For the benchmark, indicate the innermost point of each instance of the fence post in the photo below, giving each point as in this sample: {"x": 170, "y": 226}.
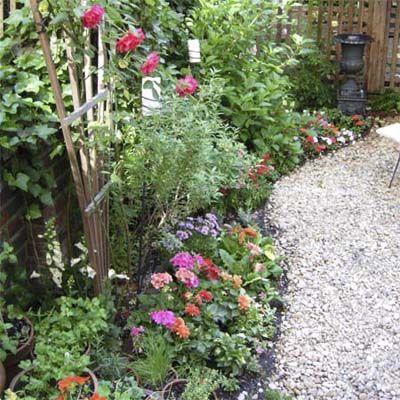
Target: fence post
{"x": 376, "y": 62}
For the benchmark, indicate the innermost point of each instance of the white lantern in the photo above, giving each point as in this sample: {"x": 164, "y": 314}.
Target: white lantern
{"x": 194, "y": 51}
{"x": 151, "y": 95}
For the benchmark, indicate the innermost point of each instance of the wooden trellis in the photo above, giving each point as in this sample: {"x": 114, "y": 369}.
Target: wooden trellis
{"x": 86, "y": 166}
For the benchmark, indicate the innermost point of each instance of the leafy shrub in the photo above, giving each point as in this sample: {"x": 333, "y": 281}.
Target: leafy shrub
{"x": 311, "y": 77}
{"x": 387, "y": 100}
{"x": 255, "y": 97}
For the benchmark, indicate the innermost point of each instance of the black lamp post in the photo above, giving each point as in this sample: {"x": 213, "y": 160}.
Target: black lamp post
{"x": 352, "y": 97}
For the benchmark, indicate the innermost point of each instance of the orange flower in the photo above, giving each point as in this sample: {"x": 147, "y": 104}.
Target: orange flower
{"x": 60, "y": 397}
{"x": 192, "y": 310}
{"x": 226, "y": 276}
{"x": 360, "y": 123}
{"x": 96, "y": 396}
{"x": 68, "y": 382}
{"x": 180, "y": 328}
{"x": 244, "y": 302}
{"x": 237, "y": 281}
{"x": 187, "y": 296}
{"x": 246, "y": 232}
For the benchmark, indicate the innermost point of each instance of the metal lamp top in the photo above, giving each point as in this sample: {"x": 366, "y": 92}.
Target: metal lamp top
{"x": 353, "y": 38}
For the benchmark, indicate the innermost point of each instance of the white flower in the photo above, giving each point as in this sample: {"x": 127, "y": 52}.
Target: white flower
{"x": 56, "y": 275}
{"x": 113, "y": 275}
{"x": 328, "y": 141}
{"x": 315, "y": 139}
{"x": 34, "y": 275}
{"x": 242, "y": 396}
{"x": 89, "y": 271}
{"x": 341, "y": 139}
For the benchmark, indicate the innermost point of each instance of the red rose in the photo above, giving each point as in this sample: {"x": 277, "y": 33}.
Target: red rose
{"x": 263, "y": 169}
{"x": 93, "y": 16}
{"x": 130, "y": 41}
{"x": 186, "y": 86}
{"x": 150, "y": 64}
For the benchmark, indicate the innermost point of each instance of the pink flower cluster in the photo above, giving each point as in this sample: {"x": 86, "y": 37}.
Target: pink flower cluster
{"x": 187, "y": 277}
{"x": 159, "y": 280}
{"x": 186, "y": 260}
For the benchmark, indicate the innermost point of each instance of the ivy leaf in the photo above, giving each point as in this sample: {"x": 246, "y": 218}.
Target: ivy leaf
{"x": 46, "y": 198}
{"x": 21, "y": 181}
{"x": 44, "y": 131}
{"x": 33, "y": 212}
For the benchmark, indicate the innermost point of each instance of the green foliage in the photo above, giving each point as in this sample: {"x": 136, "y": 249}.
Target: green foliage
{"x": 155, "y": 364}
{"x": 255, "y": 97}
{"x": 122, "y": 389}
{"x": 27, "y": 112}
{"x": 387, "y": 100}
{"x": 202, "y": 382}
{"x": 311, "y": 77}
{"x": 62, "y": 338}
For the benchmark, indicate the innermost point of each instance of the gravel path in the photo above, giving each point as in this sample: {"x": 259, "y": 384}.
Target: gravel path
{"x": 340, "y": 232}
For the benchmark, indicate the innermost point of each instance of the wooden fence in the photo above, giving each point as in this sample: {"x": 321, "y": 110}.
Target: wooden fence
{"x": 322, "y": 19}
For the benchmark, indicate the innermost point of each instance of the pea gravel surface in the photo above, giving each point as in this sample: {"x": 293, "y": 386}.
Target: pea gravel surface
{"x": 339, "y": 229}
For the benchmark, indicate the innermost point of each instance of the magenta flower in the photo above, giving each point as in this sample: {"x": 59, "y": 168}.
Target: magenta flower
{"x": 93, "y": 16}
{"x": 163, "y": 317}
{"x": 199, "y": 260}
{"x": 137, "y": 330}
{"x": 183, "y": 260}
{"x": 150, "y": 64}
{"x": 186, "y": 86}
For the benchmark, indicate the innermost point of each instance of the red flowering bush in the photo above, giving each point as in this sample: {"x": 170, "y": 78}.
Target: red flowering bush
{"x": 330, "y": 130}
{"x": 93, "y": 16}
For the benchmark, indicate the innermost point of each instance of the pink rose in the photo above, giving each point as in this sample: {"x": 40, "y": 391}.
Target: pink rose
{"x": 186, "y": 86}
{"x": 130, "y": 41}
{"x": 150, "y": 64}
{"x": 93, "y": 16}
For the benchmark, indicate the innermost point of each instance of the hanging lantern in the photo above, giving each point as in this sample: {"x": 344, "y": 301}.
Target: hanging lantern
{"x": 151, "y": 95}
{"x": 194, "y": 51}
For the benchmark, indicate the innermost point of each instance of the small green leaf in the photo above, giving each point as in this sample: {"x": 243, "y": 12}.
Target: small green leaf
{"x": 33, "y": 212}
{"x": 21, "y": 181}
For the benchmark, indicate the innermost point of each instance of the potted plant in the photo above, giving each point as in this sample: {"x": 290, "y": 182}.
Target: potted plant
{"x": 16, "y": 332}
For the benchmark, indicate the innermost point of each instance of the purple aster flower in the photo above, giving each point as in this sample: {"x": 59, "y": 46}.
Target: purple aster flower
{"x": 189, "y": 225}
{"x": 204, "y": 230}
{"x": 163, "y": 317}
{"x": 192, "y": 283}
{"x": 182, "y": 235}
{"x": 137, "y": 330}
{"x": 214, "y": 233}
{"x": 183, "y": 260}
